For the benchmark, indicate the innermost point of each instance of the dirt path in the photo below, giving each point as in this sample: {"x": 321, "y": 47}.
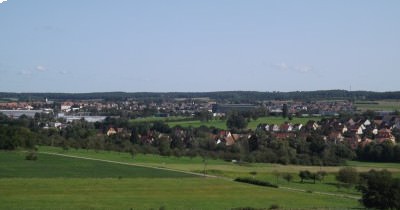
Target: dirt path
{"x": 193, "y": 173}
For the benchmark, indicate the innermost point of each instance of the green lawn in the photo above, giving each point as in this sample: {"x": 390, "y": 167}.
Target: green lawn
{"x": 221, "y": 124}
{"x": 265, "y": 171}
{"x": 14, "y": 165}
{"x": 155, "y": 119}
{"x": 384, "y": 105}
{"x": 144, "y": 193}
{"x": 55, "y": 182}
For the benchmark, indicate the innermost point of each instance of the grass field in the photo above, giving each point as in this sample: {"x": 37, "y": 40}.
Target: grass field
{"x": 221, "y": 124}
{"x": 264, "y": 171}
{"x": 144, "y": 193}
{"x": 54, "y": 182}
{"x": 158, "y": 119}
{"x": 384, "y": 105}
{"x": 14, "y": 165}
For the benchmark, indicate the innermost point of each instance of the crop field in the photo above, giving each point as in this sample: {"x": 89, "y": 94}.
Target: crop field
{"x": 55, "y": 181}
{"x": 221, "y": 124}
{"x": 384, "y": 105}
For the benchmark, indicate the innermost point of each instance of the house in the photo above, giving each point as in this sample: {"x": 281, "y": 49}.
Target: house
{"x": 311, "y": 125}
{"x": 274, "y": 128}
{"x": 336, "y": 136}
{"x": 366, "y": 122}
{"x": 353, "y": 141}
{"x": 286, "y": 127}
{"x": 351, "y": 122}
{"x": 111, "y": 131}
{"x": 297, "y": 127}
{"x": 378, "y": 120}
{"x": 341, "y": 127}
{"x": 357, "y": 129}
{"x": 229, "y": 139}
{"x": 66, "y": 106}
{"x": 385, "y": 135}
{"x": 284, "y": 135}
{"x": 364, "y": 142}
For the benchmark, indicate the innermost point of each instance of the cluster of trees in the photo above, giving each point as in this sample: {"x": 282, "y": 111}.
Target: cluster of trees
{"x": 307, "y": 175}
{"x": 384, "y": 152}
{"x": 159, "y": 138}
{"x": 378, "y": 188}
{"x": 231, "y": 96}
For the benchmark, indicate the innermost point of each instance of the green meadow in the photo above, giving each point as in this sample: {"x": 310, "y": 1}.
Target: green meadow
{"x": 61, "y": 182}
{"x": 14, "y": 165}
{"x": 382, "y": 105}
{"x": 272, "y": 173}
{"x": 145, "y": 193}
{"x": 221, "y": 124}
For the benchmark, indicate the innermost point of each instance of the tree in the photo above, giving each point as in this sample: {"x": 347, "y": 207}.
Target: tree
{"x": 304, "y": 175}
{"x": 285, "y": 111}
{"x": 348, "y": 176}
{"x": 321, "y": 175}
{"x": 236, "y": 121}
{"x": 288, "y": 177}
{"x": 379, "y": 190}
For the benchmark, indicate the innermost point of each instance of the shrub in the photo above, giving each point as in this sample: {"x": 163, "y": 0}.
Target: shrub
{"x": 274, "y": 206}
{"x": 31, "y": 156}
{"x": 255, "y": 182}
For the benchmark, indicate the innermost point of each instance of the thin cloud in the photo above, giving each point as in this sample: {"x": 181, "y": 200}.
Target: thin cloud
{"x": 25, "y": 73}
{"x": 294, "y": 68}
{"x": 40, "y": 68}
{"x": 303, "y": 68}
{"x": 281, "y": 66}
{"x": 63, "y": 72}
{"x": 1, "y": 1}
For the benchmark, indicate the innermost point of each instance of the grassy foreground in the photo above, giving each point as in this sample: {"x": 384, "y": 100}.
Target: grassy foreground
{"x": 14, "y": 165}
{"x": 54, "y": 182}
{"x": 144, "y": 193}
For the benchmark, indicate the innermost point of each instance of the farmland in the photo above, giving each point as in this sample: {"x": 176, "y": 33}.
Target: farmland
{"x": 221, "y": 124}
{"x": 261, "y": 171}
{"x": 14, "y": 165}
{"x": 55, "y": 181}
{"x": 382, "y": 105}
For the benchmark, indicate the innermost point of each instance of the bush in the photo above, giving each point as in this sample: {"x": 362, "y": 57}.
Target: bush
{"x": 274, "y": 206}
{"x": 348, "y": 176}
{"x": 255, "y": 182}
{"x": 31, "y": 156}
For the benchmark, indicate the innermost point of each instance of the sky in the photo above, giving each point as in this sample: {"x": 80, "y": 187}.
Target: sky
{"x": 80, "y": 46}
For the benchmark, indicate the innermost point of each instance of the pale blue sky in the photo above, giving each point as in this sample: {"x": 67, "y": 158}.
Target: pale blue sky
{"x": 126, "y": 45}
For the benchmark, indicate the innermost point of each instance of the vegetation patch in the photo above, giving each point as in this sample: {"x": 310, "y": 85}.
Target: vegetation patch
{"x": 255, "y": 182}
{"x": 14, "y": 165}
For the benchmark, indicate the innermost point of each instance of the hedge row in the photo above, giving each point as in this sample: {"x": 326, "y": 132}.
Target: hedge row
{"x": 255, "y": 182}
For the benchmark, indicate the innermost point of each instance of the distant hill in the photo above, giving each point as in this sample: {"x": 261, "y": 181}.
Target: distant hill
{"x": 232, "y": 96}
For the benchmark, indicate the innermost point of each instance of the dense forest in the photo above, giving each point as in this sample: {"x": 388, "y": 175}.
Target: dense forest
{"x": 232, "y": 96}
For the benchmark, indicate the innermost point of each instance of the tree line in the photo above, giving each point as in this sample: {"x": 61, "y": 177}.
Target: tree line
{"x": 227, "y": 96}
